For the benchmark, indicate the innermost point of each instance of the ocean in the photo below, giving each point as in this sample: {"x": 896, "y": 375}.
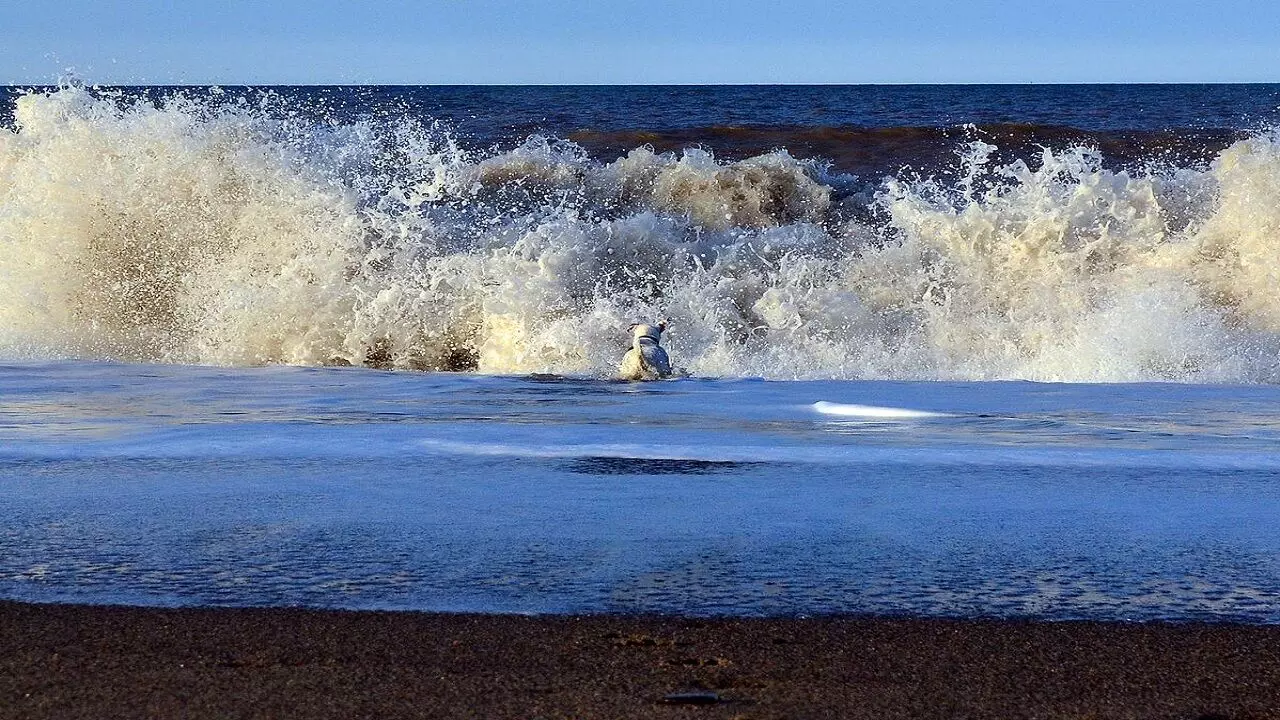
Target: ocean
{"x": 960, "y": 351}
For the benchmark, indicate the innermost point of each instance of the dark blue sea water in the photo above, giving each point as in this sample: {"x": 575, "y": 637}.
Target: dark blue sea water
{"x": 494, "y": 112}
{"x": 894, "y": 123}
{"x": 972, "y": 351}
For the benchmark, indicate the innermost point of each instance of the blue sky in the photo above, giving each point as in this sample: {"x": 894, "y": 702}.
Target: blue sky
{"x": 629, "y": 41}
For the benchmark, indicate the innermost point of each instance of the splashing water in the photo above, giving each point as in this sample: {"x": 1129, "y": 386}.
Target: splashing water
{"x": 189, "y": 231}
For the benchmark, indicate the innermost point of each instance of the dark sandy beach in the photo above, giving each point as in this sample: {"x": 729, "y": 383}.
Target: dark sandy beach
{"x": 60, "y": 661}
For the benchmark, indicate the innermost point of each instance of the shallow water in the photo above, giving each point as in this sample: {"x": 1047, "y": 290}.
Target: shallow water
{"x": 355, "y": 488}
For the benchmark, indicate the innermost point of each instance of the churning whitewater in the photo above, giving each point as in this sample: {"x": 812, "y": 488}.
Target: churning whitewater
{"x": 190, "y": 230}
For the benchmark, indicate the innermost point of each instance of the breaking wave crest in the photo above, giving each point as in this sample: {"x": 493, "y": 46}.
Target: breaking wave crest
{"x": 192, "y": 232}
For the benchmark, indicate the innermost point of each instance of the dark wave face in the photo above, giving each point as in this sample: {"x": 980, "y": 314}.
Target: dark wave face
{"x": 962, "y": 232}
{"x": 875, "y": 152}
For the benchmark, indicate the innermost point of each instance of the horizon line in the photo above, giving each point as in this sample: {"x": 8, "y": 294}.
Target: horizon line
{"x": 976, "y": 83}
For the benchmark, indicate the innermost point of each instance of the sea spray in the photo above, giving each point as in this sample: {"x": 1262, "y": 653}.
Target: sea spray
{"x": 193, "y": 231}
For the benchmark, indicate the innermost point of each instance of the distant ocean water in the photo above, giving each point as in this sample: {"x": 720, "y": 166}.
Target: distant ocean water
{"x": 201, "y": 291}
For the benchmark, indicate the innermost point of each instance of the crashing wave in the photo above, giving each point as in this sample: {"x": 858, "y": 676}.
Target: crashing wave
{"x": 191, "y": 232}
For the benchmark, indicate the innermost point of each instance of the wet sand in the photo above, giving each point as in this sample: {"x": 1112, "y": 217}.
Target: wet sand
{"x": 65, "y": 661}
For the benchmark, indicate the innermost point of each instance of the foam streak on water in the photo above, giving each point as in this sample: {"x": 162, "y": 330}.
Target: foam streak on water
{"x": 233, "y": 234}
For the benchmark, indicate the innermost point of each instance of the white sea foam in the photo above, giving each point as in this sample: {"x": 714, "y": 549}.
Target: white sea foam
{"x": 874, "y": 412}
{"x": 188, "y": 233}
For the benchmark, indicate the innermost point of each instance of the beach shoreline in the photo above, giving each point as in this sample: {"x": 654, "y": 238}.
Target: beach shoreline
{"x": 59, "y": 661}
